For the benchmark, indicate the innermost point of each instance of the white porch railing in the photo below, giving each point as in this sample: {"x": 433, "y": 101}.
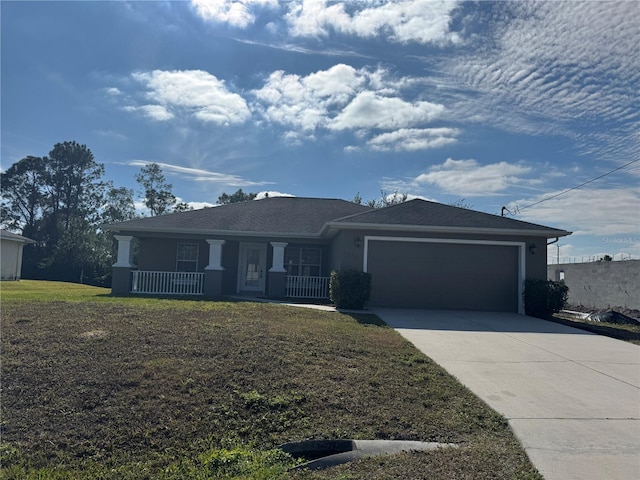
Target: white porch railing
{"x": 307, "y": 287}
{"x": 167, "y": 283}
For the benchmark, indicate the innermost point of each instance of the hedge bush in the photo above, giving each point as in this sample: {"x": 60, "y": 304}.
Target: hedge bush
{"x": 350, "y": 289}
{"x": 543, "y": 298}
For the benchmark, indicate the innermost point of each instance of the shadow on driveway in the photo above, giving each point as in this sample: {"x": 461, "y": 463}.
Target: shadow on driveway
{"x": 471, "y": 321}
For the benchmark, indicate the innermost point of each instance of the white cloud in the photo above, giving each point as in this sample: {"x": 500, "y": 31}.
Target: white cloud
{"x": 369, "y": 110}
{"x": 141, "y": 208}
{"x": 411, "y": 139}
{"x": 336, "y": 99}
{"x": 199, "y": 205}
{"x": 403, "y": 21}
{"x": 237, "y": 13}
{"x": 309, "y": 17}
{"x": 304, "y": 102}
{"x": 337, "y": 84}
{"x": 271, "y": 194}
{"x": 200, "y": 175}
{"x": 468, "y": 178}
{"x": 345, "y": 98}
{"x": 397, "y": 196}
{"x": 399, "y": 21}
{"x": 111, "y": 134}
{"x": 154, "y": 112}
{"x": 587, "y": 211}
{"x": 556, "y": 67}
{"x": 112, "y": 91}
{"x": 193, "y": 92}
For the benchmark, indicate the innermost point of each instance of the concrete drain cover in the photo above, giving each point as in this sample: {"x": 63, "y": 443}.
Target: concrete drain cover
{"x": 328, "y": 453}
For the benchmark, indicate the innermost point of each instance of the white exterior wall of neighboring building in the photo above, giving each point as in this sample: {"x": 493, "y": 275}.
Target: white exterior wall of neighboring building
{"x": 11, "y": 259}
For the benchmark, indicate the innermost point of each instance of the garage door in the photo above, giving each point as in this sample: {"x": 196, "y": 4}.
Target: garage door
{"x": 447, "y": 276}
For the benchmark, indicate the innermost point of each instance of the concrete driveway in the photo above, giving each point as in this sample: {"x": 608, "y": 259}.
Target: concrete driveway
{"x": 572, "y": 398}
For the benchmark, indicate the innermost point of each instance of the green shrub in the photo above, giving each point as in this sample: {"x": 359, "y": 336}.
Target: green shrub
{"x": 350, "y": 289}
{"x": 543, "y": 298}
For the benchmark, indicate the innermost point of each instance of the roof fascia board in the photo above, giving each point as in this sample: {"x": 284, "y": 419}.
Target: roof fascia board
{"x": 213, "y": 233}
{"x": 437, "y": 229}
{"x": 18, "y": 240}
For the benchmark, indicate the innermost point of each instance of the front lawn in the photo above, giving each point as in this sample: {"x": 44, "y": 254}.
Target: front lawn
{"x": 95, "y": 386}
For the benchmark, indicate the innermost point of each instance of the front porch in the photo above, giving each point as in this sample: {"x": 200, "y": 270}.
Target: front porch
{"x": 228, "y": 267}
{"x": 193, "y": 283}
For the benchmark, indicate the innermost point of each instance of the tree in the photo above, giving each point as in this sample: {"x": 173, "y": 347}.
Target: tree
{"x": 23, "y": 193}
{"x": 462, "y": 203}
{"x": 73, "y": 179}
{"x": 393, "y": 199}
{"x": 119, "y": 205}
{"x": 386, "y": 200}
{"x": 59, "y": 201}
{"x": 157, "y": 192}
{"x": 182, "y": 207}
{"x": 238, "y": 196}
{"x": 73, "y": 202}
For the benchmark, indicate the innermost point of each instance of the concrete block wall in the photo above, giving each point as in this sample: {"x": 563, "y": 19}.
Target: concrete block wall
{"x": 600, "y": 284}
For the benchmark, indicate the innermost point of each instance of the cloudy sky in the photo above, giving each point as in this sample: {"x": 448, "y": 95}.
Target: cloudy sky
{"x": 500, "y": 104}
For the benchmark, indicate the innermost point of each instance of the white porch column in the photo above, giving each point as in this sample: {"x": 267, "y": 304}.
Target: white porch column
{"x": 124, "y": 251}
{"x": 278, "y": 257}
{"x": 215, "y": 254}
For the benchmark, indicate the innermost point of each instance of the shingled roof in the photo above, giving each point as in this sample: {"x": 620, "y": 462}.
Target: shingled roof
{"x": 289, "y": 216}
{"x": 316, "y": 217}
{"x": 422, "y": 214}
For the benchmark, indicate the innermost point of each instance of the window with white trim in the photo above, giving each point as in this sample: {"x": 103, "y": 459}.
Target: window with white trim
{"x": 187, "y": 257}
{"x": 306, "y": 262}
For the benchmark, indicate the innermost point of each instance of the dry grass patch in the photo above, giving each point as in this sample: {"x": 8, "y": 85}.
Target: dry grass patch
{"x": 121, "y": 389}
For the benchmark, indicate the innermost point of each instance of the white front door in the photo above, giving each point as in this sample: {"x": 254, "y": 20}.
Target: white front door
{"x": 252, "y": 267}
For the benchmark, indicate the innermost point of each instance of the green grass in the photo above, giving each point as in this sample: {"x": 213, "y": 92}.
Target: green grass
{"x": 114, "y": 388}
{"x": 42, "y": 291}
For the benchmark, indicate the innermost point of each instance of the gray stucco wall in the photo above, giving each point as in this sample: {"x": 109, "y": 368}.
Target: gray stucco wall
{"x": 347, "y": 251}
{"x": 601, "y": 284}
{"x": 159, "y": 254}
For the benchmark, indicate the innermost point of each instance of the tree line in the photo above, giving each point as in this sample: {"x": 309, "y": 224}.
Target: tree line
{"x": 61, "y": 200}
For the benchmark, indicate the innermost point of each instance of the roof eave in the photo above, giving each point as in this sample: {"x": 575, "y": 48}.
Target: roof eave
{"x": 26, "y": 241}
{"x": 547, "y": 233}
{"x": 210, "y": 233}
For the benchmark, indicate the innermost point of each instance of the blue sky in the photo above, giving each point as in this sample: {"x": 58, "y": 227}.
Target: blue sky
{"x": 497, "y": 103}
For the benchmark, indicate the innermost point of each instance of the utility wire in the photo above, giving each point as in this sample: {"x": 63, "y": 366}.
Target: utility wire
{"x": 581, "y": 185}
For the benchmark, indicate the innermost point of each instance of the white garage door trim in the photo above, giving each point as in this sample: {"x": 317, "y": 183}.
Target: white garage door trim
{"x": 521, "y": 254}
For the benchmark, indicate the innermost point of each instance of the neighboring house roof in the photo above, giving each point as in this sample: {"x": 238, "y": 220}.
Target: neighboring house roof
{"x": 422, "y": 215}
{"x": 288, "y": 216}
{"x": 318, "y": 217}
{"x": 14, "y": 237}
